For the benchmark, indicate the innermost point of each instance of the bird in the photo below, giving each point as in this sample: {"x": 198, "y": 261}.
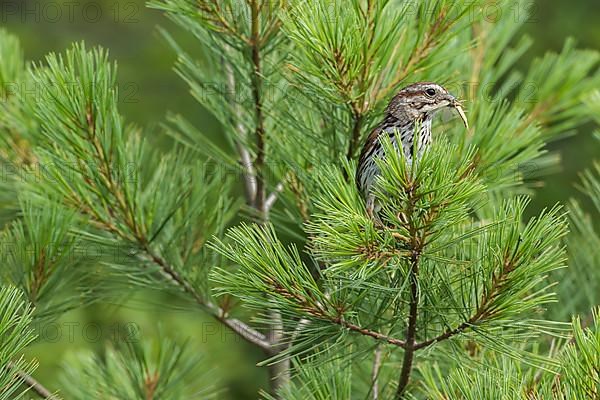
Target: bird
{"x": 411, "y": 109}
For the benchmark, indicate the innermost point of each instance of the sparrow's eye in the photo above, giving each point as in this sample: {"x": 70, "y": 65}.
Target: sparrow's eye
{"x": 430, "y": 92}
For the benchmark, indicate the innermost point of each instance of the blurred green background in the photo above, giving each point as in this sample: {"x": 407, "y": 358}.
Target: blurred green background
{"x": 149, "y": 88}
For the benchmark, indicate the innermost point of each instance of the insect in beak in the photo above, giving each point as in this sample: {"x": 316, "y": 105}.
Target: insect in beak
{"x": 458, "y": 107}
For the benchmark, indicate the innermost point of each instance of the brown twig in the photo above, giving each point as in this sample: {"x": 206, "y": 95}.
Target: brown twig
{"x": 355, "y": 136}
{"x": 150, "y": 384}
{"x": 255, "y": 45}
{"x": 317, "y": 310}
{"x": 411, "y": 330}
{"x": 33, "y": 384}
{"x": 448, "y": 333}
{"x": 367, "y": 332}
{"x": 417, "y": 242}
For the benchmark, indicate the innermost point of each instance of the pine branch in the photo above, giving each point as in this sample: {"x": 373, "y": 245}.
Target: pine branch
{"x": 121, "y": 210}
{"x": 214, "y": 14}
{"x": 416, "y": 243}
{"x": 355, "y": 135}
{"x": 243, "y": 151}
{"x": 243, "y": 330}
{"x": 33, "y": 384}
{"x": 317, "y": 310}
{"x": 280, "y": 371}
{"x": 368, "y": 332}
{"x": 255, "y": 46}
{"x": 482, "y": 311}
{"x": 411, "y": 330}
{"x": 140, "y": 369}
{"x": 421, "y": 52}
{"x": 300, "y": 196}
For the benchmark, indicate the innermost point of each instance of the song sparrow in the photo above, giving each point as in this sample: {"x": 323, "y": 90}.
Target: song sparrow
{"x": 409, "y": 111}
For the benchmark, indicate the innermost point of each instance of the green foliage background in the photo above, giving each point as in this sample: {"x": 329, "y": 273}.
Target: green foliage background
{"x": 150, "y": 89}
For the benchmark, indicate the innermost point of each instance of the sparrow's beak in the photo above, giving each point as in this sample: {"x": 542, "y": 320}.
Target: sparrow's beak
{"x": 458, "y": 107}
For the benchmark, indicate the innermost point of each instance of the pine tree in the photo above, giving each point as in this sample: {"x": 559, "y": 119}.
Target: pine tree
{"x": 455, "y": 295}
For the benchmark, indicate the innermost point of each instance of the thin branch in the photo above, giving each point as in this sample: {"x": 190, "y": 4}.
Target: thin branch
{"x": 355, "y": 136}
{"x": 318, "y": 311}
{"x": 280, "y": 371}
{"x": 249, "y": 173}
{"x": 237, "y": 326}
{"x": 242, "y": 329}
{"x": 446, "y": 335}
{"x": 33, "y": 384}
{"x": 411, "y": 330}
{"x": 371, "y": 333}
{"x": 142, "y": 241}
{"x": 375, "y": 372}
{"x": 303, "y": 323}
{"x": 417, "y": 240}
{"x": 215, "y": 16}
{"x": 273, "y": 197}
{"x": 243, "y": 151}
{"x": 258, "y": 106}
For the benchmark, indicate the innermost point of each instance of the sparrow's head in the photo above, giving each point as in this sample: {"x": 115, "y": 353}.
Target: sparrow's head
{"x": 421, "y": 100}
